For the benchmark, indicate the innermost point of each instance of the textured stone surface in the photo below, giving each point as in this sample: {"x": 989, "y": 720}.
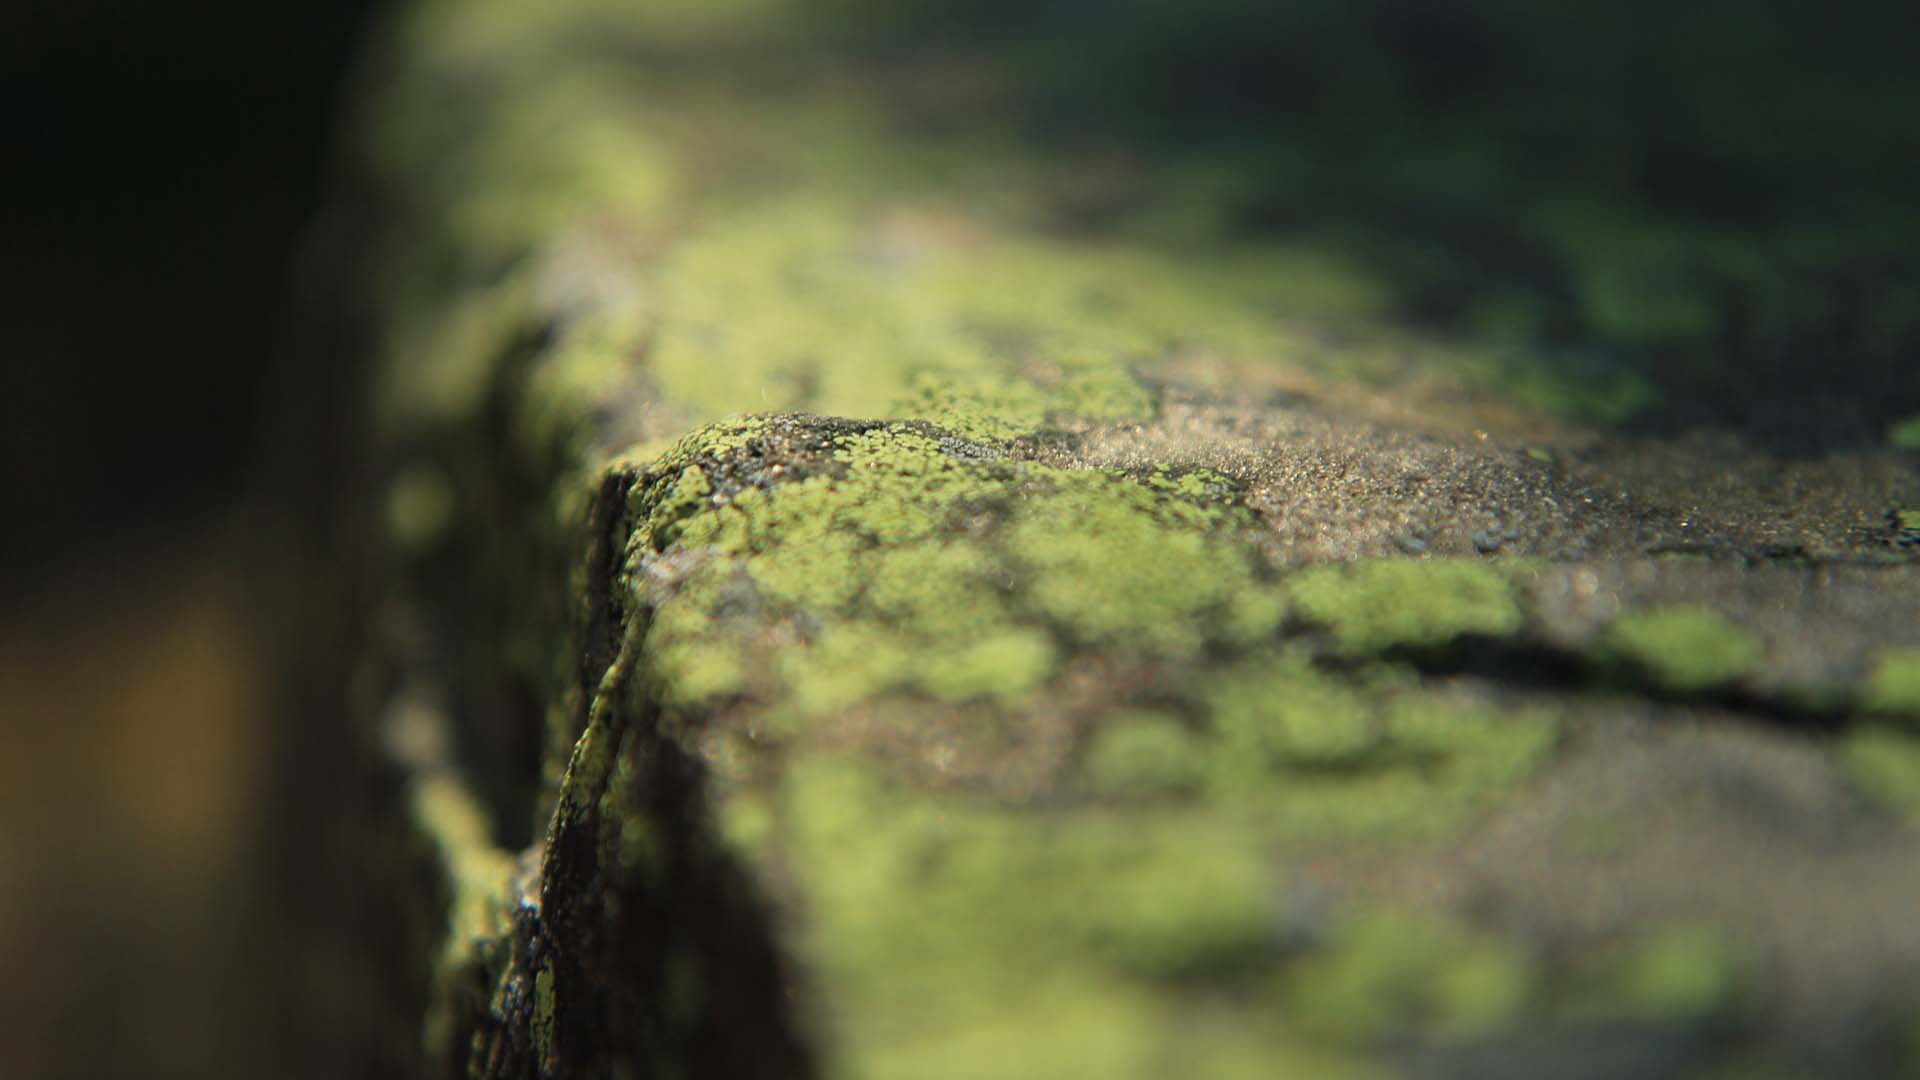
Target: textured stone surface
{"x": 854, "y": 624}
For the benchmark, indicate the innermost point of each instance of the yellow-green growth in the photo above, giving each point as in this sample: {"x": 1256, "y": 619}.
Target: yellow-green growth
{"x": 903, "y": 568}
{"x": 1111, "y": 574}
{"x": 1392, "y": 603}
{"x": 1684, "y": 649}
{"x": 1390, "y": 974}
{"x": 856, "y": 314}
{"x": 938, "y": 921}
{"x": 1893, "y": 686}
{"x": 543, "y": 1016}
{"x": 1905, "y": 434}
{"x": 1306, "y": 754}
{"x": 1138, "y": 754}
{"x": 1284, "y": 714}
{"x": 1884, "y": 763}
{"x": 479, "y": 873}
{"x": 1669, "y": 972}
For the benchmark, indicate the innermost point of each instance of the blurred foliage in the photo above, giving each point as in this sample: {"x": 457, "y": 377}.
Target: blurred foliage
{"x": 1714, "y": 195}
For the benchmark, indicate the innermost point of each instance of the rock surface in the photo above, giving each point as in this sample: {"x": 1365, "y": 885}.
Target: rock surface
{"x": 857, "y": 622}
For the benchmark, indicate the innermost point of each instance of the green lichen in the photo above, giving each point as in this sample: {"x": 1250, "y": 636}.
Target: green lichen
{"x": 1284, "y": 714}
{"x": 904, "y": 568}
{"x": 479, "y": 873}
{"x": 1111, "y": 574}
{"x": 1884, "y": 764}
{"x": 1387, "y": 604}
{"x": 478, "y": 877}
{"x": 1002, "y": 666}
{"x": 692, "y": 657}
{"x": 1310, "y": 755}
{"x": 845, "y": 665}
{"x": 1300, "y": 753}
{"x": 1675, "y": 971}
{"x": 1683, "y": 649}
{"x": 543, "y": 1014}
{"x": 1139, "y": 754}
{"x": 861, "y": 315}
{"x": 1905, "y": 434}
{"x": 1192, "y": 483}
{"x": 1893, "y": 686}
{"x": 747, "y": 824}
{"x": 1066, "y": 931}
{"x": 891, "y": 566}
{"x": 1390, "y": 974}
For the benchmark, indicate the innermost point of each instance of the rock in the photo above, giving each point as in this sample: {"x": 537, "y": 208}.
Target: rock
{"x": 859, "y": 628}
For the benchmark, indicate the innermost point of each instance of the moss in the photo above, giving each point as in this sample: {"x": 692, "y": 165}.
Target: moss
{"x": 1252, "y": 614}
{"x": 1884, "y": 763}
{"x": 1340, "y": 761}
{"x": 1392, "y": 974}
{"x": 1905, "y": 434}
{"x": 1072, "y": 915}
{"x": 478, "y": 872}
{"x": 1112, "y": 575}
{"x": 947, "y": 316}
{"x": 906, "y": 570}
{"x": 690, "y": 494}
{"x": 1300, "y": 753}
{"x": 984, "y": 337}
{"x": 1284, "y": 714}
{"x": 1893, "y": 686}
{"x": 1676, "y": 971}
{"x": 543, "y": 1014}
{"x": 951, "y": 584}
{"x": 904, "y": 567}
{"x": 691, "y": 656}
{"x": 1004, "y": 665}
{"x": 478, "y": 877}
{"x": 747, "y": 824}
{"x": 939, "y": 920}
{"x": 1192, "y": 483}
{"x": 1137, "y": 754}
{"x": 847, "y": 664}
{"x": 1683, "y": 649}
{"x": 591, "y": 761}
{"x": 1385, "y": 604}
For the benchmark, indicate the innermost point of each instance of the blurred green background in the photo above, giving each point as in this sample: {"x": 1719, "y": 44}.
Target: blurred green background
{"x": 1715, "y": 197}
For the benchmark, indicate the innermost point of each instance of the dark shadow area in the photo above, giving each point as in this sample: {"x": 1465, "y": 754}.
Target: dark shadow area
{"x": 1714, "y": 197}
{"x": 164, "y": 173}
{"x": 164, "y": 166}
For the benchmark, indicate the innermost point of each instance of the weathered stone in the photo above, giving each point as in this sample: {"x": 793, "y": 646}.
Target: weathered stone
{"x": 866, "y": 630}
